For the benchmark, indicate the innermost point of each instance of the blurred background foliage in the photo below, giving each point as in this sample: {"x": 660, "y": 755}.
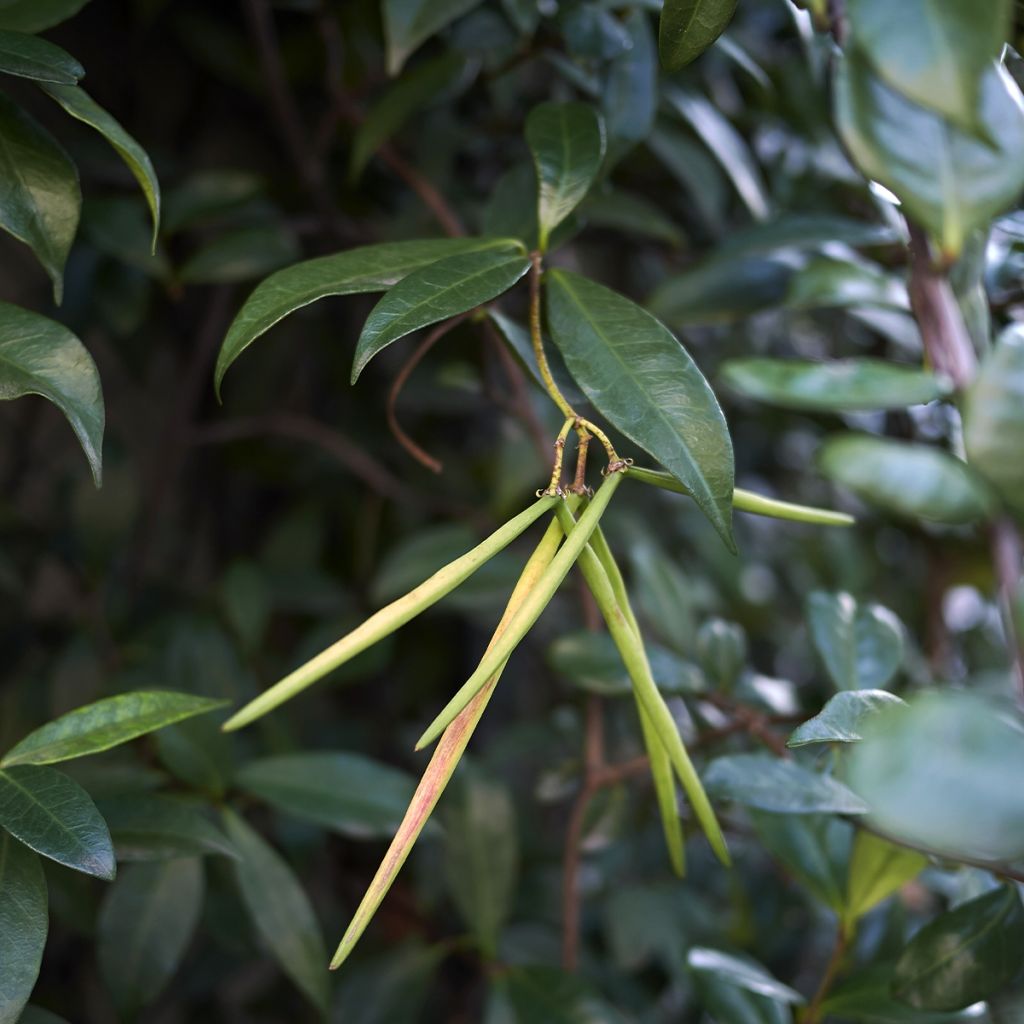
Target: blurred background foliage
{"x": 229, "y": 543}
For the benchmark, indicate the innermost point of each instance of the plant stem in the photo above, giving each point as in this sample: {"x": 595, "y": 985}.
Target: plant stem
{"x": 813, "y": 1012}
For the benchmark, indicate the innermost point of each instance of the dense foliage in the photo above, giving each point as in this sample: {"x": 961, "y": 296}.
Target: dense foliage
{"x": 661, "y": 363}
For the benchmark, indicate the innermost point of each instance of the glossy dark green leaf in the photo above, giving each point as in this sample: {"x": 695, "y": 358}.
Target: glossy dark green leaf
{"x": 726, "y": 1001}
{"x": 518, "y": 338}
{"x": 39, "y": 356}
{"x": 804, "y": 231}
{"x": 30, "y": 57}
{"x": 909, "y": 480}
{"x": 860, "y": 644}
{"x": 412, "y": 92}
{"x": 437, "y": 292}
{"x": 55, "y": 817}
{"x": 481, "y": 855}
{"x": 942, "y": 775}
{"x": 409, "y": 23}
{"x": 511, "y": 210}
{"x": 688, "y": 27}
{"x": 742, "y": 972}
{"x": 105, "y": 724}
{"x": 40, "y": 199}
{"x": 79, "y": 104}
{"x": 949, "y": 181}
{"x": 839, "y": 385}
{"x": 867, "y": 998}
{"x": 36, "y": 15}
{"x": 993, "y": 412}
{"x": 629, "y": 101}
{"x": 23, "y": 925}
{"x": 347, "y": 793}
{"x": 964, "y": 955}
{"x": 241, "y": 254}
{"x": 280, "y": 910}
{"x": 935, "y": 54}
{"x": 371, "y": 268}
{"x": 878, "y": 868}
{"x": 197, "y": 752}
{"x": 828, "y": 283}
{"x": 145, "y": 925}
{"x": 842, "y": 719}
{"x": 567, "y": 142}
{"x": 644, "y": 382}
{"x": 783, "y": 787}
{"x": 158, "y": 827}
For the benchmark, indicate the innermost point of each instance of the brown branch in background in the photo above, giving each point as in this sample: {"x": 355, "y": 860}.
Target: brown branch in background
{"x": 813, "y": 1012}
{"x": 421, "y": 456}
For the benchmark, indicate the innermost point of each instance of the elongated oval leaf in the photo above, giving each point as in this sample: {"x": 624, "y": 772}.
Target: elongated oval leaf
{"x": 964, "y": 955}
{"x": 841, "y": 385}
{"x": 644, "y": 382}
{"x": 829, "y": 283}
{"x": 56, "y": 817}
{"x": 950, "y": 181}
{"x": 994, "y": 418}
{"x": 784, "y": 787}
{"x": 842, "y": 719}
{"x": 861, "y": 645}
{"x": 30, "y": 57}
{"x": 630, "y": 98}
{"x": 37, "y": 15}
{"x": 23, "y": 925}
{"x": 145, "y": 925}
{"x": 409, "y": 23}
{"x": 878, "y": 868}
{"x": 280, "y": 910}
{"x": 105, "y": 724}
{"x": 39, "y": 356}
{"x": 370, "y": 268}
{"x": 741, "y": 972}
{"x": 688, "y": 27}
{"x": 158, "y": 827}
{"x": 345, "y": 792}
{"x": 567, "y": 142}
{"x": 40, "y": 199}
{"x": 79, "y": 104}
{"x": 436, "y": 292}
{"x": 935, "y": 54}
{"x": 940, "y": 775}
{"x": 910, "y": 480}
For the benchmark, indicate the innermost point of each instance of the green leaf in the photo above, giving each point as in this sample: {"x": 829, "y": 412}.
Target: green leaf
{"x": 842, "y": 719}
{"x": 726, "y": 1001}
{"x": 198, "y": 753}
{"x": 158, "y": 827}
{"x": 934, "y": 53}
{"x": 37, "y": 15}
{"x": 878, "y": 868}
{"x": 145, "y": 926}
{"x": 529, "y": 995}
{"x": 909, "y": 480}
{"x": 948, "y": 180}
{"x": 409, "y": 23}
{"x": 280, "y": 910}
{"x": 411, "y": 93}
{"x": 629, "y": 100}
{"x": 241, "y": 254}
{"x": 567, "y": 142}
{"x": 644, "y": 382}
{"x": 39, "y": 356}
{"x": 481, "y": 856}
{"x": 347, "y": 793}
{"x": 29, "y": 57}
{"x": 993, "y": 412}
{"x": 937, "y": 776}
{"x": 630, "y": 214}
{"x": 40, "y": 199}
{"x": 370, "y": 268}
{"x": 828, "y": 283}
{"x": 742, "y": 972}
{"x": 801, "y": 231}
{"x": 391, "y": 988}
{"x": 861, "y": 645}
{"x": 867, "y": 997}
{"x": 688, "y": 27}
{"x": 964, "y": 955}
{"x": 105, "y": 724}
{"x": 436, "y": 292}
{"x": 783, "y": 787}
{"x": 840, "y": 385}
{"x": 37, "y": 1015}
{"x": 55, "y": 817}
{"x": 23, "y": 925}
{"x": 79, "y": 104}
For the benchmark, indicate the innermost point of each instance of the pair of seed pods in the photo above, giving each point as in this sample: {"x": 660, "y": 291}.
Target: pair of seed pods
{"x": 566, "y": 542}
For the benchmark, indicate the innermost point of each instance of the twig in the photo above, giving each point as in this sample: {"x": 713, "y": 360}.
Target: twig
{"x": 813, "y": 1013}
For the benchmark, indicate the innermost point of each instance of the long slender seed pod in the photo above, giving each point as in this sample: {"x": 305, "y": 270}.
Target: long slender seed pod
{"x": 661, "y": 765}
{"x": 530, "y": 610}
{"x": 645, "y": 688}
{"x": 445, "y": 757}
{"x": 749, "y": 501}
{"x": 389, "y": 618}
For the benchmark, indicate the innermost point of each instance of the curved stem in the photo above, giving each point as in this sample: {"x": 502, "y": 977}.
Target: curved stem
{"x": 537, "y": 263}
